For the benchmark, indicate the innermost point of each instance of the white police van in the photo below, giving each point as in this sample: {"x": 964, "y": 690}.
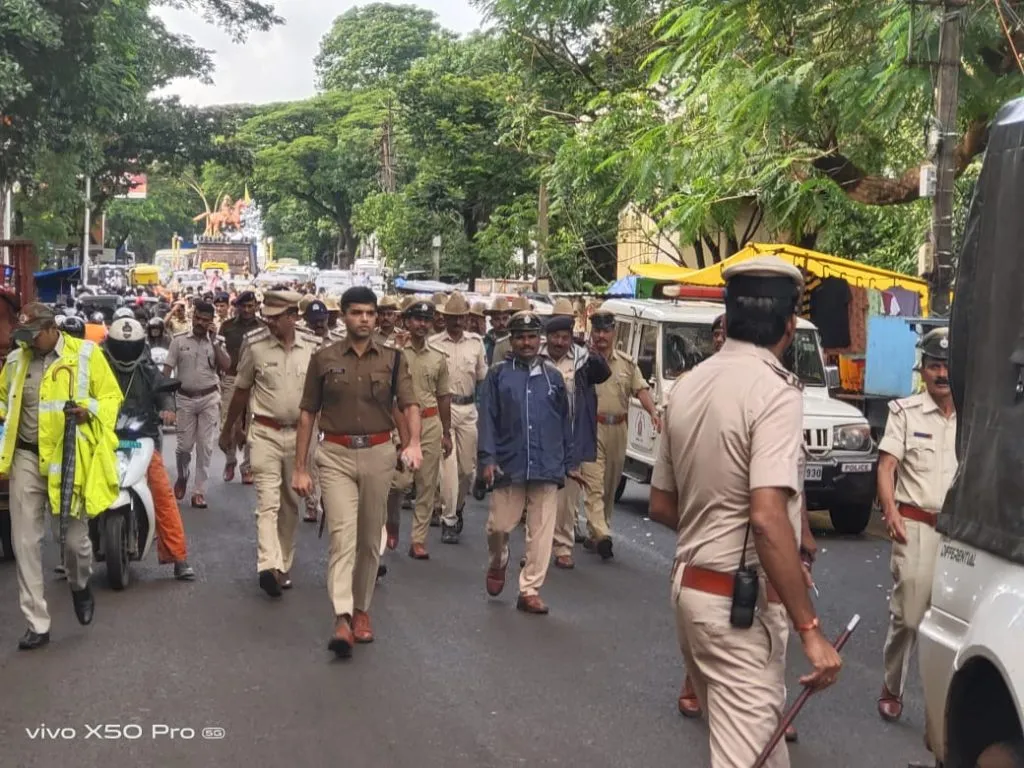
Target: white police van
{"x": 666, "y": 338}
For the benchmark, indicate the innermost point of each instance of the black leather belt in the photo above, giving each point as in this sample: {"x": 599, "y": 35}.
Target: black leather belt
{"x": 25, "y": 445}
{"x": 463, "y": 399}
{"x": 196, "y": 393}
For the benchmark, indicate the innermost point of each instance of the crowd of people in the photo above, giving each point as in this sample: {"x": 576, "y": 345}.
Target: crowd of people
{"x": 343, "y": 411}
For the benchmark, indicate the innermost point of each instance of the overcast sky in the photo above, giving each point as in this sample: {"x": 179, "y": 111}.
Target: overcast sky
{"x": 278, "y": 65}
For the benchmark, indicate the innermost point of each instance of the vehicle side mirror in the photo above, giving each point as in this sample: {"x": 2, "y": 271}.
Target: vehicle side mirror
{"x": 832, "y": 380}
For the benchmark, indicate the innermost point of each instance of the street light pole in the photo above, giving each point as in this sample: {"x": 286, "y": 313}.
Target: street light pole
{"x": 85, "y": 234}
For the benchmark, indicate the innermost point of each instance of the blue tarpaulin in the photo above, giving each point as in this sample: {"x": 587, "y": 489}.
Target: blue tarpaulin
{"x": 625, "y": 286}
{"x": 50, "y": 285}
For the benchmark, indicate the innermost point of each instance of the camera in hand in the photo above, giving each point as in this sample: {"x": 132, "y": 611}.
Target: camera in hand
{"x": 744, "y": 598}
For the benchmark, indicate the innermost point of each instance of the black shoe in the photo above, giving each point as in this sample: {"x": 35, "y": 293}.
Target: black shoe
{"x": 382, "y": 571}
{"x": 580, "y": 538}
{"x": 604, "y": 549}
{"x": 269, "y": 583}
{"x": 183, "y": 571}
{"x": 458, "y": 524}
{"x": 32, "y": 640}
{"x": 449, "y": 534}
{"x": 435, "y": 520}
{"x": 85, "y": 606}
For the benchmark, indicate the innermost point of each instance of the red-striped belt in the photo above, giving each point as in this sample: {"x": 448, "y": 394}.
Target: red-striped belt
{"x": 266, "y": 421}
{"x": 358, "y": 441}
{"x": 426, "y": 413}
{"x": 611, "y": 419}
{"x": 716, "y": 582}
{"x": 916, "y": 513}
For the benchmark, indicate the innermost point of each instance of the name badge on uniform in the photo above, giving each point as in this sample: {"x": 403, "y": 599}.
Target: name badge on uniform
{"x": 925, "y": 435}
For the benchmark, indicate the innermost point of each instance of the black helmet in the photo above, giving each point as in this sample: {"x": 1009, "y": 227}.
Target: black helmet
{"x": 525, "y": 322}
{"x": 126, "y": 343}
{"x": 156, "y": 322}
{"x": 73, "y": 326}
{"x": 935, "y": 344}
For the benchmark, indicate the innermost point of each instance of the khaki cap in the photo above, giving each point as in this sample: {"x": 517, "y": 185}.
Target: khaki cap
{"x": 499, "y": 306}
{"x": 305, "y": 301}
{"x": 563, "y": 307}
{"x": 479, "y": 309}
{"x": 35, "y": 317}
{"x": 388, "y": 302}
{"x": 456, "y": 305}
{"x": 763, "y": 266}
{"x": 278, "y": 302}
{"x": 521, "y": 304}
{"x": 439, "y": 299}
{"x": 408, "y": 301}
{"x": 332, "y": 303}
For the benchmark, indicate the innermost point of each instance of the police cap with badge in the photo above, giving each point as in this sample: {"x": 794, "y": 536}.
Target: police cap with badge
{"x": 935, "y": 344}
{"x": 278, "y": 302}
{"x": 423, "y": 310}
{"x": 525, "y": 322}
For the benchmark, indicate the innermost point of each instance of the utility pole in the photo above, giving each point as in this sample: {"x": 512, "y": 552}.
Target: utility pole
{"x": 85, "y": 234}
{"x": 946, "y": 101}
{"x": 542, "y": 232}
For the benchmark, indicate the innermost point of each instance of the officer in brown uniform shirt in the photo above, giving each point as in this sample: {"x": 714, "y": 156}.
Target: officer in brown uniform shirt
{"x": 728, "y": 479}
{"x": 232, "y": 333}
{"x": 357, "y": 386}
{"x": 387, "y": 314}
{"x": 429, "y": 369}
{"x": 271, "y": 372}
{"x": 602, "y": 476}
{"x": 199, "y": 358}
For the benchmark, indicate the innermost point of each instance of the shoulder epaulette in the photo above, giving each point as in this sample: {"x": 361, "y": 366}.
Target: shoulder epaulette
{"x": 786, "y": 375}
{"x": 255, "y": 336}
{"x": 903, "y": 403}
{"x": 308, "y": 335}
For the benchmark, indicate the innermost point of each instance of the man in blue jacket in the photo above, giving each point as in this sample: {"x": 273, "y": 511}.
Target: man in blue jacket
{"x": 525, "y": 453}
{"x": 581, "y": 372}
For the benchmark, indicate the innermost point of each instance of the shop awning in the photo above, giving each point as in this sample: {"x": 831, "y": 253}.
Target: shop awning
{"x": 666, "y": 272}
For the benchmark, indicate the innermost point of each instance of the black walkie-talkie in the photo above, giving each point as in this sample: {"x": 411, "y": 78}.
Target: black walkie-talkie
{"x": 744, "y": 591}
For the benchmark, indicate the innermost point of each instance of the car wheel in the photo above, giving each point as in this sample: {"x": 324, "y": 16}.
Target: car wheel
{"x": 850, "y": 519}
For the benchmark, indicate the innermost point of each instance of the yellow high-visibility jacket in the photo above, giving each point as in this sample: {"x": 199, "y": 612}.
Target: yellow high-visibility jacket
{"x": 82, "y": 373}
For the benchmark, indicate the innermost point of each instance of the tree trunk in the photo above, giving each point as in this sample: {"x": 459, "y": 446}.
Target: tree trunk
{"x": 470, "y": 229}
{"x": 698, "y": 251}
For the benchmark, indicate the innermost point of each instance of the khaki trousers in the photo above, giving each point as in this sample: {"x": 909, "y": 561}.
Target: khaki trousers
{"x": 458, "y": 469}
{"x": 507, "y": 503}
{"x": 565, "y": 525}
{"x": 227, "y": 391}
{"x": 602, "y": 477}
{"x": 913, "y": 566}
{"x": 277, "y": 506}
{"x": 30, "y": 508}
{"x": 355, "y": 483}
{"x": 198, "y": 418}
{"x": 426, "y": 478}
{"x": 739, "y": 675}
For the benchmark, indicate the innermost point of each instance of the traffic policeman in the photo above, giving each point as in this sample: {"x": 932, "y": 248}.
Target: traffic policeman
{"x": 916, "y": 465}
{"x": 728, "y": 479}
{"x": 503, "y": 344}
{"x": 232, "y": 333}
{"x": 198, "y": 357}
{"x": 271, "y": 372}
{"x": 387, "y": 314}
{"x": 601, "y": 477}
{"x": 357, "y": 387}
{"x": 467, "y": 367}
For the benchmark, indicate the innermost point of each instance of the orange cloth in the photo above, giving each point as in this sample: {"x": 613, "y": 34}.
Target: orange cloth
{"x": 171, "y": 546}
{"x": 95, "y": 332}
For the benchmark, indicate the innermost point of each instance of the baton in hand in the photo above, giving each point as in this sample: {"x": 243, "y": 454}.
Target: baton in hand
{"x": 790, "y": 716}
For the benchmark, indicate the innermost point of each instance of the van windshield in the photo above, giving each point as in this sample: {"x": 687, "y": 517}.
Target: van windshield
{"x": 685, "y": 345}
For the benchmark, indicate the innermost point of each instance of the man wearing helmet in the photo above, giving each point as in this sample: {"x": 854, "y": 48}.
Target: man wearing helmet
{"x": 916, "y": 464}
{"x": 156, "y": 333}
{"x": 138, "y": 376}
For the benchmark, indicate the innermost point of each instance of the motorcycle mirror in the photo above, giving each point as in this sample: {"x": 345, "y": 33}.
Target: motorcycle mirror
{"x": 168, "y": 386}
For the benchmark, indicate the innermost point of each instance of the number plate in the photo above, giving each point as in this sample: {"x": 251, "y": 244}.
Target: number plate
{"x": 812, "y": 472}
{"x": 857, "y": 467}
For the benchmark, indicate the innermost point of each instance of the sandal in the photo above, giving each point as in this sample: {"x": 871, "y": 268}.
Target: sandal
{"x": 229, "y": 473}
{"x": 198, "y": 501}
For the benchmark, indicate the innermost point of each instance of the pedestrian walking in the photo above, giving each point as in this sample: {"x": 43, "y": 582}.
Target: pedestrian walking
{"x": 199, "y": 358}
{"x": 602, "y": 475}
{"x": 47, "y": 370}
{"x": 581, "y": 372}
{"x": 526, "y": 454}
{"x": 271, "y": 373}
{"x": 467, "y": 367}
{"x": 232, "y": 334}
{"x": 728, "y": 479}
{"x": 356, "y": 387}
{"x": 915, "y": 469}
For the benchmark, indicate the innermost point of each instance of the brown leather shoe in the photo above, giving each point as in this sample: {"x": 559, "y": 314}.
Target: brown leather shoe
{"x": 229, "y": 473}
{"x": 565, "y": 562}
{"x": 890, "y": 706}
{"x": 361, "y": 629}
{"x": 248, "y": 478}
{"x": 284, "y": 579}
{"x": 418, "y": 552}
{"x": 531, "y": 604}
{"x": 689, "y": 704}
{"x": 496, "y": 579}
{"x": 342, "y": 641}
{"x": 392, "y": 529}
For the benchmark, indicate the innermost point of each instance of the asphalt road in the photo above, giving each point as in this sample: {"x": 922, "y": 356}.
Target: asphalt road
{"x": 454, "y": 678}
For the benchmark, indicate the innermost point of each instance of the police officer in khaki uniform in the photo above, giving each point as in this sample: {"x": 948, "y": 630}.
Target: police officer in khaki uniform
{"x": 915, "y": 469}
{"x": 728, "y": 479}
{"x": 271, "y": 372}
{"x": 232, "y": 333}
{"x": 503, "y": 345}
{"x": 466, "y": 368}
{"x": 199, "y": 358}
{"x": 477, "y": 320}
{"x": 357, "y": 387}
{"x": 439, "y": 300}
{"x": 500, "y": 314}
{"x": 602, "y": 476}
{"x": 429, "y": 369}
{"x": 387, "y": 315}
